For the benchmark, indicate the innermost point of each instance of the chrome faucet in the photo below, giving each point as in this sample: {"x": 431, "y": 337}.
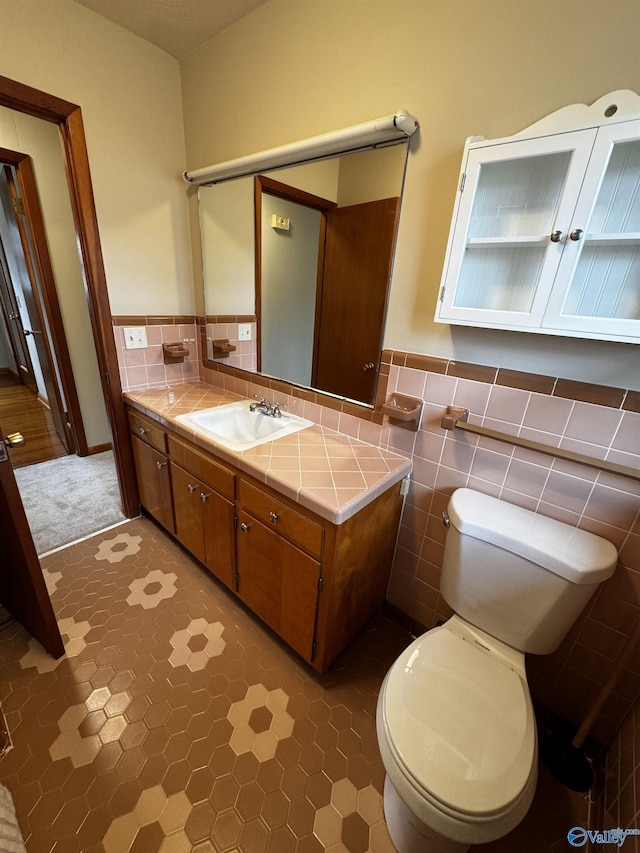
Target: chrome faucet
{"x": 270, "y": 409}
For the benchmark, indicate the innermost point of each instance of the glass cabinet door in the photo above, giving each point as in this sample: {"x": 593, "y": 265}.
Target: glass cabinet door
{"x": 601, "y": 262}
{"x": 505, "y": 253}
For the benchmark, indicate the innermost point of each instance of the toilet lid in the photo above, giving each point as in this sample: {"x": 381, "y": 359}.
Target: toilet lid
{"x": 460, "y": 724}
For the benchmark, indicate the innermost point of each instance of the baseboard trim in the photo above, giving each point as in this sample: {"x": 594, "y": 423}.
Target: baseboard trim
{"x": 98, "y": 448}
{"x": 401, "y": 618}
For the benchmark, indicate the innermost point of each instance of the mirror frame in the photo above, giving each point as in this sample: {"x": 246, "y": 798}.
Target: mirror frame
{"x": 25, "y": 99}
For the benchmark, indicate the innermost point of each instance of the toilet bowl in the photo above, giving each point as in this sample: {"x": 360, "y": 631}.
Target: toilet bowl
{"x": 457, "y": 736}
{"x": 455, "y": 721}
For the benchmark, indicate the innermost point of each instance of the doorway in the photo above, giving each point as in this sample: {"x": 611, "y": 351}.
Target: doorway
{"x": 21, "y": 578}
{"x": 75, "y": 495}
{"x": 36, "y": 353}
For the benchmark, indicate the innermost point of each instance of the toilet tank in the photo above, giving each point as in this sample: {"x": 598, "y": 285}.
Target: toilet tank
{"x": 520, "y": 576}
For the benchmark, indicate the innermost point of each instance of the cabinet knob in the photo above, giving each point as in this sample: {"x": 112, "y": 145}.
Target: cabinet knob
{"x": 204, "y": 497}
{"x": 191, "y": 489}
{"x": 273, "y": 517}
{"x": 160, "y": 465}
{"x": 245, "y": 527}
{"x": 576, "y": 234}
{"x": 556, "y": 237}
{"x": 142, "y": 431}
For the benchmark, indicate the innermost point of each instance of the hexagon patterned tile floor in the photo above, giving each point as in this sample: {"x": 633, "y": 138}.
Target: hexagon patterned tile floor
{"x": 177, "y": 722}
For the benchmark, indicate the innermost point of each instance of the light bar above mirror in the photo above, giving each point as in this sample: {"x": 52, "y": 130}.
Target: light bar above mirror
{"x": 381, "y": 131}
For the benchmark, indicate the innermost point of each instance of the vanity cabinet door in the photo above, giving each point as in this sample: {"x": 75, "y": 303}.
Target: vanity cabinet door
{"x": 150, "y": 432}
{"x": 154, "y": 486}
{"x": 279, "y": 582}
{"x": 204, "y": 523}
{"x": 188, "y": 511}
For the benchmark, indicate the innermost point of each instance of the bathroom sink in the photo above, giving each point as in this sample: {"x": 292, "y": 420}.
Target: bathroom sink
{"x": 236, "y": 428}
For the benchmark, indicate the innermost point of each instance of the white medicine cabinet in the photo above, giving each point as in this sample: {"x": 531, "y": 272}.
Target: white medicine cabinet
{"x": 545, "y": 235}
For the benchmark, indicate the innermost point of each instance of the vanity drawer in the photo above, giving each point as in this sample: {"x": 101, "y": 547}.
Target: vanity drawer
{"x": 217, "y": 476}
{"x": 147, "y": 430}
{"x": 281, "y": 518}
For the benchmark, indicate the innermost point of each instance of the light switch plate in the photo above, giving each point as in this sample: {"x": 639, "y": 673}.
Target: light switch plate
{"x": 135, "y": 337}
{"x": 244, "y": 331}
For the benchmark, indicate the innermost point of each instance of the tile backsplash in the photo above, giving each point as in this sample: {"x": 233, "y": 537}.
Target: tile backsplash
{"x": 145, "y": 368}
{"x": 600, "y": 422}
{"x": 245, "y": 353}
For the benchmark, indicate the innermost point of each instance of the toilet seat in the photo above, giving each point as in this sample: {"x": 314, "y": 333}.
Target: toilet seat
{"x": 459, "y": 728}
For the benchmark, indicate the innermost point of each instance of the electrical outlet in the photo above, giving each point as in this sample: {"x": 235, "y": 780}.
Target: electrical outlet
{"x": 279, "y": 222}
{"x": 244, "y": 331}
{"x": 135, "y": 337}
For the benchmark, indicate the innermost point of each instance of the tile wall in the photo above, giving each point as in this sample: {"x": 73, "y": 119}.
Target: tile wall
{"x": 595, "y": 421}
{"x": 145, "y": 368}
{"x": 622, "y": 780}
{"x": 245, "y": 354}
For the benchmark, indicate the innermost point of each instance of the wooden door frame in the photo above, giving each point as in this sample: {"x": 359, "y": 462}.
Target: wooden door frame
{"x": 47, "y": 307}
{"x": 68, "y": 117}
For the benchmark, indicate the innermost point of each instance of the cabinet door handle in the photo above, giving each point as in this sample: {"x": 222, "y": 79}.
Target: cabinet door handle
{"x": 204, "y": 497}
{"x": 142, "y": 431}
{"x": 191, "y": 489}
{"x": 556, "y": 237}
{"x": 160, "y": 465}
{"x": 245, "y": 527}
{"x": 273, "y": 517}
{"x": 576, "y": 234}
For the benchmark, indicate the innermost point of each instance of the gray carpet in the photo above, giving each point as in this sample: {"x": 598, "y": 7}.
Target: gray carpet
{"x": 68, "y": 498}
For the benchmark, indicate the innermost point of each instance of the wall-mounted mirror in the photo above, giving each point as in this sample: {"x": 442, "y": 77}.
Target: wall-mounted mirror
{"x": 297, "y": 264}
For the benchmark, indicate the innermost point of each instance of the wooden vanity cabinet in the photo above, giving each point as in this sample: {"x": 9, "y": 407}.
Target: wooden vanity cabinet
{"x": 204, "y": 510}
{"x": 279, "y": 568}
{"x": 279, "y": 583}
{"x": 152, "y": 469}
{"x": 297, "y": 569}
{"x": 315, "y": 583}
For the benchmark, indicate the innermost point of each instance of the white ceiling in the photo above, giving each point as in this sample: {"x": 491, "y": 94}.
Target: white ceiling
{"x": 176, "y": 26}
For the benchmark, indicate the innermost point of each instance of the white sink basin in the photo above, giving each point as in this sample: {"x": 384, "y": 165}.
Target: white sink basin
{"x": 235, "y": 427}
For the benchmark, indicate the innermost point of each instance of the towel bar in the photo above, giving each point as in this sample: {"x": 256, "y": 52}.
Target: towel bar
{"x": 456, "y": 418}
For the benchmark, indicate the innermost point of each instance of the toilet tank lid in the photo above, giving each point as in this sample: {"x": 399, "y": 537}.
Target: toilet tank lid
{"x": 576, "y": 555}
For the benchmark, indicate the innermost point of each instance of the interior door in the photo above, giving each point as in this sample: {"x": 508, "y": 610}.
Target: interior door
{"x": 22, "y": 587}
{"x": 13, "y": 324}
{"x": 357, "y": 270}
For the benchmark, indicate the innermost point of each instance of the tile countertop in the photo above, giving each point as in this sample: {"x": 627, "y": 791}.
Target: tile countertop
{"x": 327, "y": 472}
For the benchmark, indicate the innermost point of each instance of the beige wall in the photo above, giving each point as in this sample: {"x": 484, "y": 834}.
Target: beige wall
{"x": 463, "y": 67}
{"x": 129, "y": 92}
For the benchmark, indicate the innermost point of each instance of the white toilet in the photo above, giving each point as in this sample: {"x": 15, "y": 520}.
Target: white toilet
{"x": 455, "y": 721}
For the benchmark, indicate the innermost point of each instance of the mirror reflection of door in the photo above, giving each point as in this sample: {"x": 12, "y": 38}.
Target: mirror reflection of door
{"x": 290, "y": 234}
{"x": 323, "y": 275}
{"x": 355, "y": 285}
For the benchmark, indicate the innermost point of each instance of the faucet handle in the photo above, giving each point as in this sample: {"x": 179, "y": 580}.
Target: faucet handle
{"x": 254, "y": 406}
{"x": 276, "y": 408}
